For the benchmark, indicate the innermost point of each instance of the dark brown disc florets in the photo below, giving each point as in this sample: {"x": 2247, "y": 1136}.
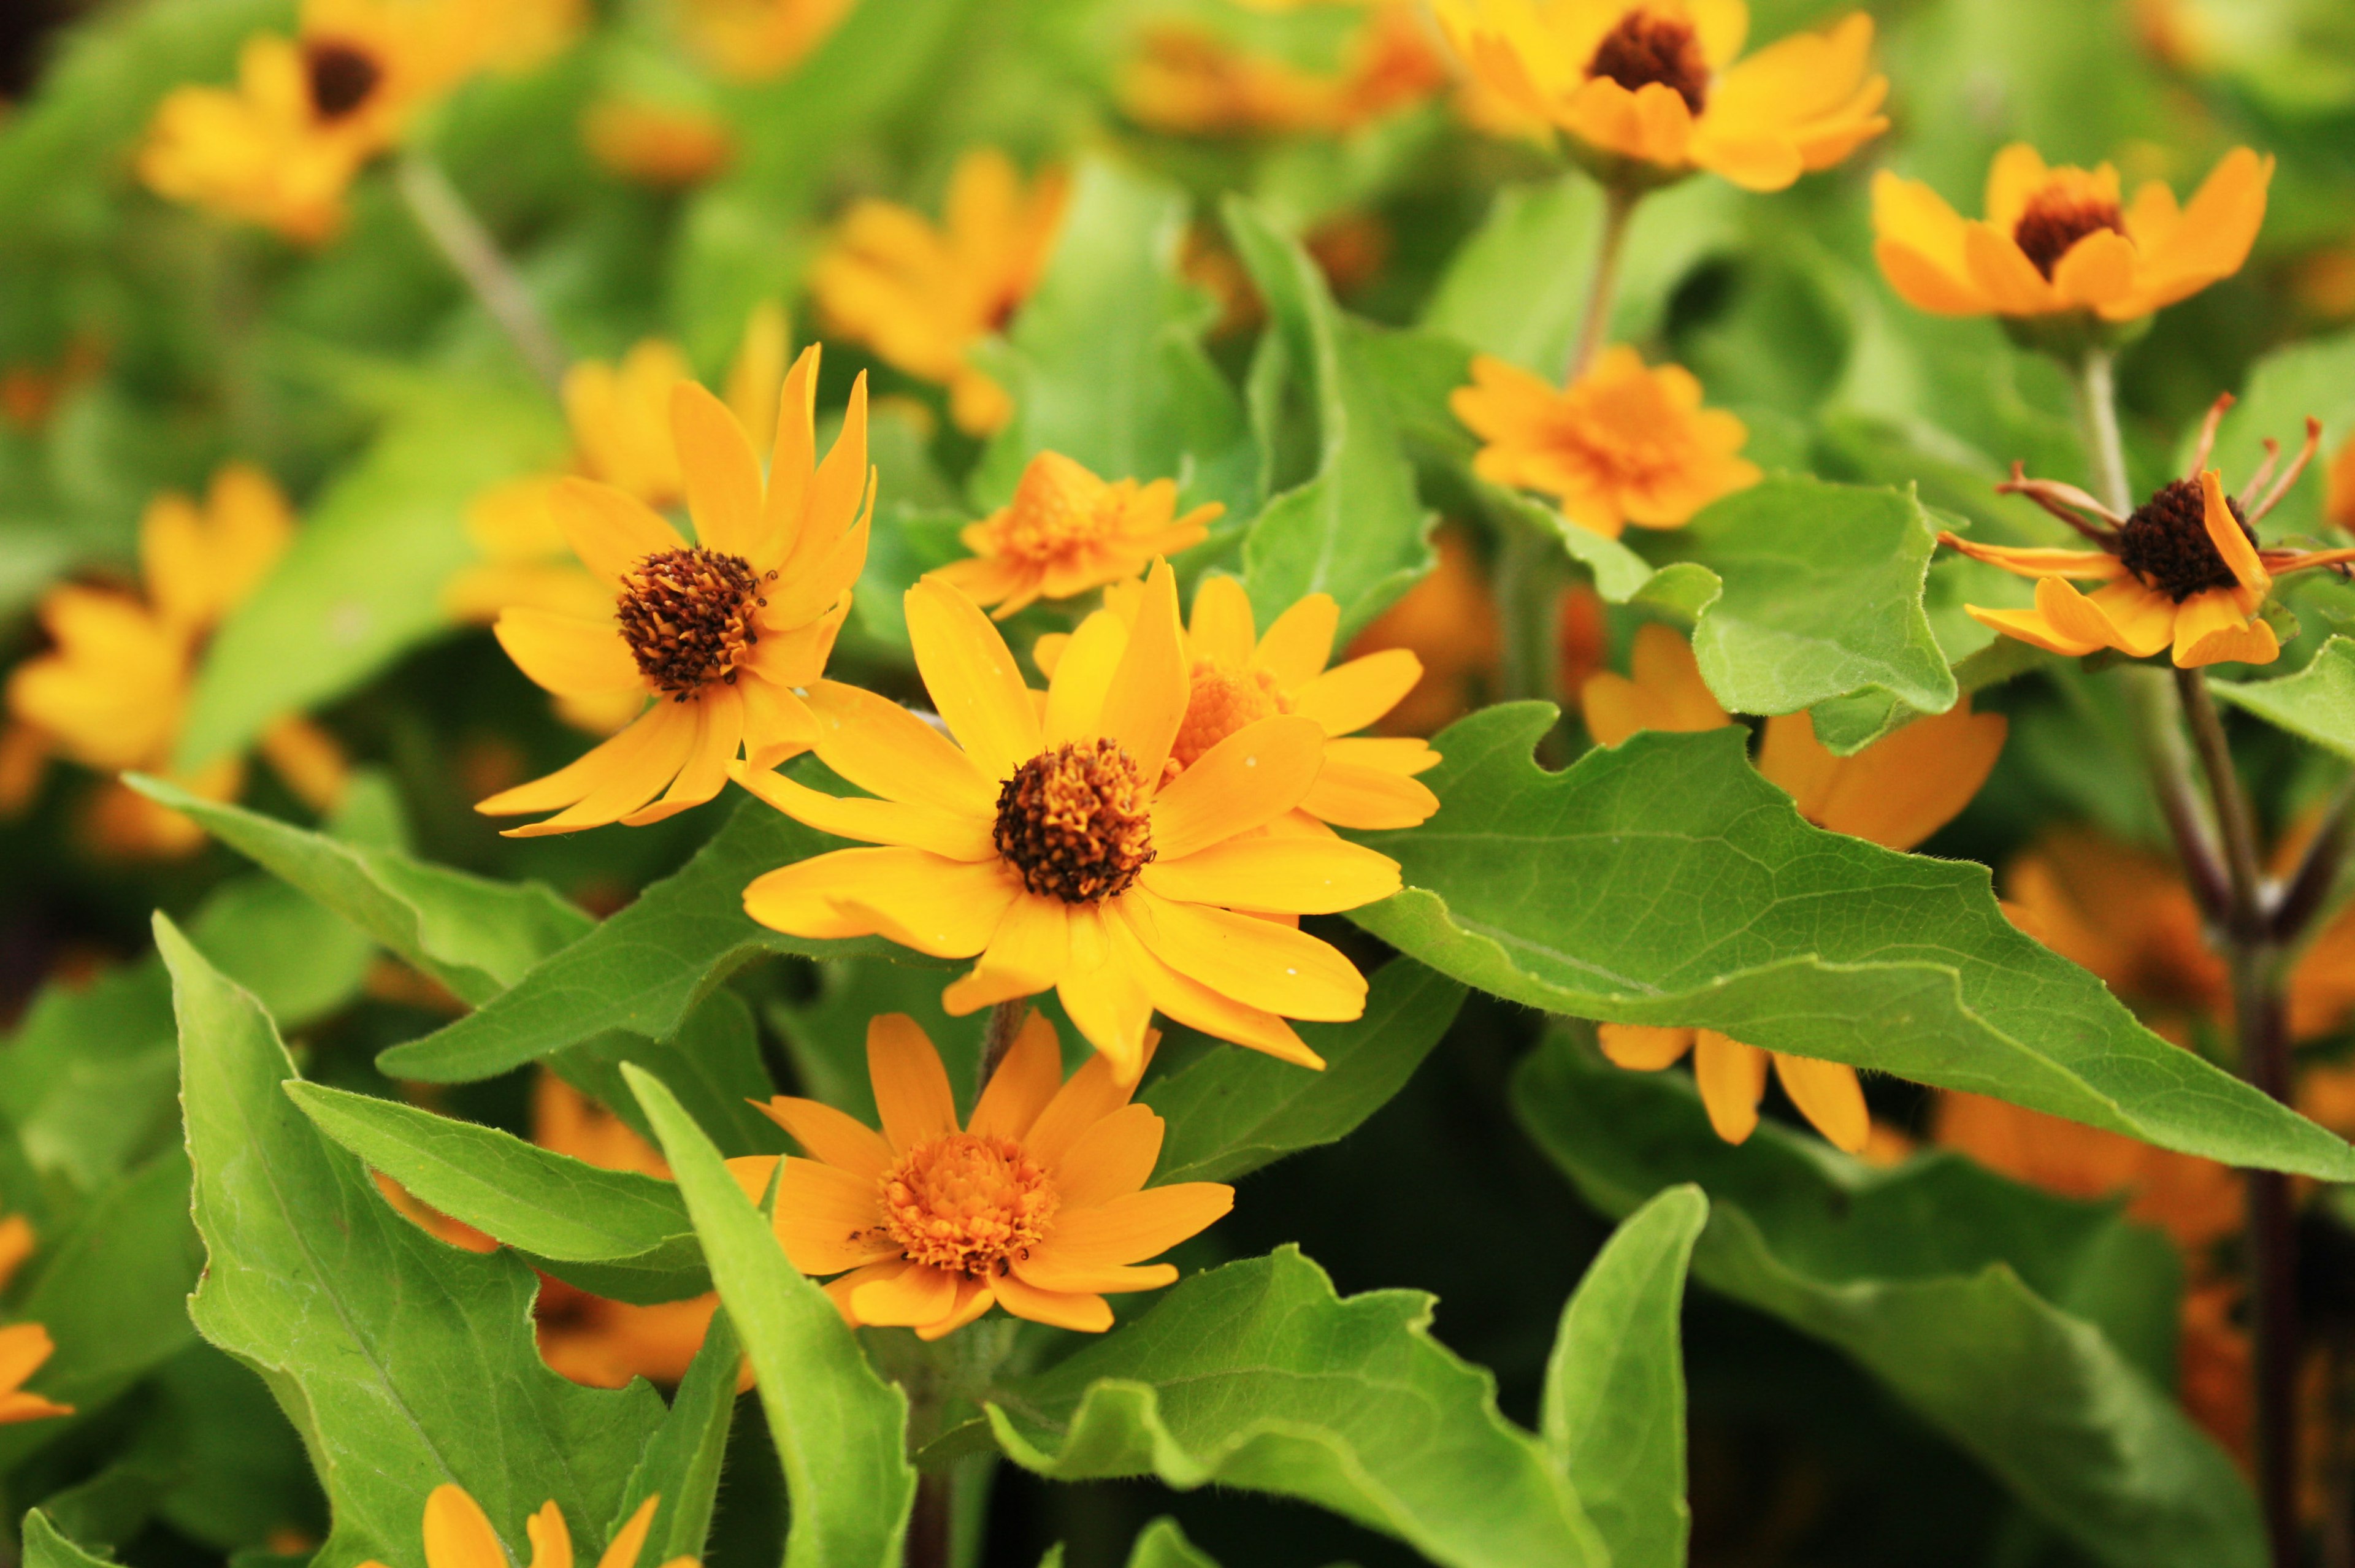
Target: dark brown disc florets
{"x": 341, "y": 77}
{"x": 686, "y": 615}
{"x": 1646, "y": 49}
{"x": 1076, "y": 822}
{"x": 2166, "y": 542}
{"x": 2054, "y": 220}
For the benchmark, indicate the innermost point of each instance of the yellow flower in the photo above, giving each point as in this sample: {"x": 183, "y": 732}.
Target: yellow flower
{"x": 1896, "y": 792}
{"x": 2057, "y": 239}
{"x": 1039, "y": 1205}
{"x": 1054, "y": 842}
{"x": 1648, "y": 91}
{"x": 1621, "y": 444}
{"x": 1067, "y": 532}
{"x": 113, "y": 691}
{"x": 1236, "y": 678}
{"x": 719, "y": 632}
{"x": 1188, "y": 79}
{"x": 750, "y": 40}
{"x": 922, "y": 295}
{"x": 663, "y": 146}
{"x": 2182, "y": 574}
{"x": 458, "y": 1534}
{"x": 25, "y": 1346}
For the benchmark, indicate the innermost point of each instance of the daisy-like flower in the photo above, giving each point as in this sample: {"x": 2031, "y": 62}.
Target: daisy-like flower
{"x": 1190, "y": 79}
{"x": 2182, "y": 574}
{"x": 25, "y": 1346}
{"x": 1056, "y": 843}
{"x": 751, "y": 40}
{"x": 1896, "y": 792}
{"x": 1236, "y": 678}
{"x": 719, "y": 634}
{"x": 1038, "y": 1205}
{"x": 458, "y": 1534}
{"x": 1621, "y": 443}
{"x": 2057, "y": 239}
{"x": 1067, "y": 532}
{"x": 1649, "y": 91}
{"x": 922, "y": 295}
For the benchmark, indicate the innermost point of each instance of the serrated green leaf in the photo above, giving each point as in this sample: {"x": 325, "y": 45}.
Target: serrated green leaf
{"x": 1231, "y": 1111}
{"x": 1967, "y": 1294}
{"x": 45, "y": 1547}
{"x": 840, "y": 1430}
{"x": 1258, "y": 1375}
{"x": 555, "y": 1210}
{"x": 682, "y": 1463}
{"x": 1614, "y": 1413}
{"x": 2316, "y": 703}
{"x": 405, "y": 1363}
{"x": 1703, "y": 898}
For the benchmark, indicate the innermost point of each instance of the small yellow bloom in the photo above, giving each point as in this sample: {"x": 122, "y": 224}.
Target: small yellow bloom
{"x": 1649, "y": 91}
{"x": 1056, "y": 843}
{"x": 1188, "y": 79}
{"x": 749, "y": 40}
{"x": 1621, "y": 444}
{"x": 2057, "y": 239}
{"x": 1067, "y": 532}
{"x": 1896, "y": 792}
{"x": 1039, "y": 1205}
{"x": 458, "y": 1534}
{"x": 24, "y": 1346}
{"x": 923, "y": 295}
{"x": 664, "y": 146}
{"x": 719, "y": 632}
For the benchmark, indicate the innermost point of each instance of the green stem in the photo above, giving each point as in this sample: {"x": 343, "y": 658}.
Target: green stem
{"x": 2098, "y": 397}
{"x": 475, "y": 257}
{"x": 997, "y": 1039}
{"x": 1603, "y": 286}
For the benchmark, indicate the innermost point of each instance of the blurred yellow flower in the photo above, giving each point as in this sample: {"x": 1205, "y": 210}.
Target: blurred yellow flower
{"x": 1650, "y": 90}
{"x": 748, "y": 40}
{"x": 2058, "y": 239}
{"x": 1896, "y": 792}
{"x": 1188, "y": 79}
{"x": 1621, "y": 443}
{"x": 1448, "y": 621}
{"x": 1039, "y": 1205}
{"x": 922, "y": 295}
{"x": 23, "y": 1346}
{"x": 458, "y": 1534}
{"x": 1067, "y": 532}
{"x": 659, "y": 144}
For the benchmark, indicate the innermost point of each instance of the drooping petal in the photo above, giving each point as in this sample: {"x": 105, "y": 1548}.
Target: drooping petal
{"x": 911, "y": 1088}
{"x": 1105, "y": 998}
{"x": 1208, "y": 1008}
{"x": 718, "y": 731}
{"x": 916, "y": 1295}
{"x": 1731, "y": 1077}
{"x": 1828, "y": 1096}
{"x": 1257, "y": 962}
{"x": 639, "y": 761}
{"x": 974, "y": 1297}
{"x": 1086, "y": 1314}
{"x": 1644, "y": 1048}
{"x": 2213, "y": 628}
{"x": 2085, "y": 565}
{"x": 1897, "y": 791}
{"x": 952, "y": 836}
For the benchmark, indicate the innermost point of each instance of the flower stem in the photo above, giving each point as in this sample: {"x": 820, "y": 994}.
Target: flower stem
{"x": 1602, "y": 287}
{"x": 928, "y": 1524}
{"x": 2097, "y": 396}
{"x": 997, "y": 1039}
{"x": 474, "y": 256}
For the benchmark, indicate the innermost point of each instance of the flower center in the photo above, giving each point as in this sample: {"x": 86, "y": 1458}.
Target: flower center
{"x": 967, "y": 1202}
{"x": 1074, "y": 822}
{"x": 2166, "y": 542}
{"x": 1057, "y": 505}
{"x": 1220, "y": 703}
{"x": 686, "y": 615}
{"x": 2057, "y": 218}
{"x": 1645, "y": 48}
{"x": 341, "y": 75}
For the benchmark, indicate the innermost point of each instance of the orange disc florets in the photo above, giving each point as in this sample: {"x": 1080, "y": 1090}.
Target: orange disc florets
{"x": 1058, "y": 505}
{"x": 967, "y": 1202}
{"x": 1221, "y": 702}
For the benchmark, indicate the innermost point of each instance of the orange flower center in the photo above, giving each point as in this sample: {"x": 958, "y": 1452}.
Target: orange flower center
{"x": 1623, "y": 436}
{"x": 2166, "y": 542}
{"x": 2056, "y": 217}
{"x": 341, "y": 76}
{"x": 1221, "y": 702}
{"x": 1058, "y": 506}
{"x": 686, "y": 615}
{"x": 1076, "y": 822}
{"x": 1645, "y": 48}
{"x": 967, "y": 1202}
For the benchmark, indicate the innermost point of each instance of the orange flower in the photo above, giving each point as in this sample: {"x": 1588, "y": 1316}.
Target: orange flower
{"x": 23, "y": 1346}
{"x": 1620, "y": 445}
{"x": 1188, "y": 79}
{"x": 2057, "y": 239}
{"x": 922, "y": 296}
{"x": 1896, "y": 792}
{"x": 664, "y": 146}
{"x": 1038, "y": 1205}
{"x": 2338, "y": 494}
{"x": 1067, "y": 532}
{"x": 458, "y": 1534}
{"x": 1448, "y": 621}
{"x": 751, "y": 40}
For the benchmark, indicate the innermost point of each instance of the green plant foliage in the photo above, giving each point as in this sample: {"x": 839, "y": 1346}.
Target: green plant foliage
{"x": 45, "y": 1548}
{"x": 2286, "y": 387}
{"x": 1164, "y": 1545}
{"x": 682, "y": 1464}
{"x": 2317, "y": 703}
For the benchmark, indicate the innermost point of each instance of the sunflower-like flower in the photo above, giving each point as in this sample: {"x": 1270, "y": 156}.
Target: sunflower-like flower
{"x": 1038, "y": 1205}
{"x": 752, "y": 40}
{"x": 1621, "y": 443}
{"x": 922, "y": 296}
{"x": 458, "y": 1534}
{"x": 1895, "y": 792}
{"x": 2058, "y": 239}
{"x": 1649, "y": 91}
{"x": 719, "y": 632}
{"x": 1067, "y": 532}
{"x": 2182, "y": 573}
{"x": 25, "y": 1346}
{"x": 1236, "y": 678}
{"x": 1190, "y": 79}
{"x": 1056, "y": 843}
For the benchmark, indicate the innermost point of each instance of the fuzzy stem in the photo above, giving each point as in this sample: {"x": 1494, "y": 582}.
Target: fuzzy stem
{"x": 1602, "y": 287}
{"x": 474, "y": 256}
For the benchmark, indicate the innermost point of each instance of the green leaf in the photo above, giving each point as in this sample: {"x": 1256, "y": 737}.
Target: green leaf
{"x": 1613, "y": 1416}
{"x": 363, "y": 582}
{"x": 714, "y": 1057}
{"x": 299, "y": 961}
{"x": 1968, "y": 1295}
{"x": 641, "y": 970}
{"x": 1704, "y": 899}
{"x": 1257, "y": 1375}
{"x": 2316, "y": 703}
{"x": 405, "y": 1363}
{"x": 45, "y": 1548}
{"x": 1356, "y": 527}
{"x": 839, "y": 1429}
{"x": 1162, "y": 1545}
{"x": 682, "y": 1463}
{"x": 557, "y": 1211}
{"x": 1230, "y": 1111}
{"x": 2315, "y": 379}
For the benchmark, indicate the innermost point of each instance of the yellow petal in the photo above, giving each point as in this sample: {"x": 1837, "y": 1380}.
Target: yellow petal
{"x": 1130, "y": 1229}
{"x": 885, "y": 749}
{"x": 1828, "y": 1096}
{"x": 1085, "y": 1313}
{"x": 719, "y": 731}
{"x": 953, "y": 836}
{"x": 566, "y": 655}
{"x": 1257, "y": 962}
{"x": 721, "y": 471}
{"x": 1251, "y": 777}
{"x": 1350, "y": 794}
{"x": 1221, "y": 629}
{"x": 1351, "y": 696}
{"x": 1732, "y": 1077}
{"x": 1028, "y": 952}
{"x": 833, "y": 1136}
{"x": 973, "y": 678}
{"x": 1642, "y": 1046}
{"x": 2225, "y": 534}
{"x": 916, "y": 1294}
{"x": 1300, "y": 643}
{"x": 1276, "y": 876}
{"x": 1111, "y": 1159}
{"x": 2003, "y": 272}
{"x": 1025, "y": 1082}
{"x": 1147, "y": 699}
{"x": 609, "y": 530}
{"x": 2096, "y": 272}
{"x": 1084, "y": 668}
{"x": 2141, "y": 618}
{"x": 828, "y": 1219}
{"x": 1899, "y": 790}
{"x": 2212, "y": 628}
{"x": 912, "y": 1089}
{"x": 551, "y": 1543}
{"x": 623, "y": 1551}
{"x": 1188, "y": 1001}
{"x": 457, "y": 1535}
{"x": 793, "y": 452}
{"x": 915, "y": 898}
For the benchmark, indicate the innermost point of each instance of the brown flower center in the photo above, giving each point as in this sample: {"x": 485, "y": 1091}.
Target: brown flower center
{"x": 686, "y": 615}
{"x": 2055, "y": 219}
{"x": 1075, "y": 822}
{"x": 967, "y": 1202}
{"x": 341, "y": 76}
{"x": 2166, "y": 542}
{"x": 1220, "y": 703}
{"x": 1645, "y": 48}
